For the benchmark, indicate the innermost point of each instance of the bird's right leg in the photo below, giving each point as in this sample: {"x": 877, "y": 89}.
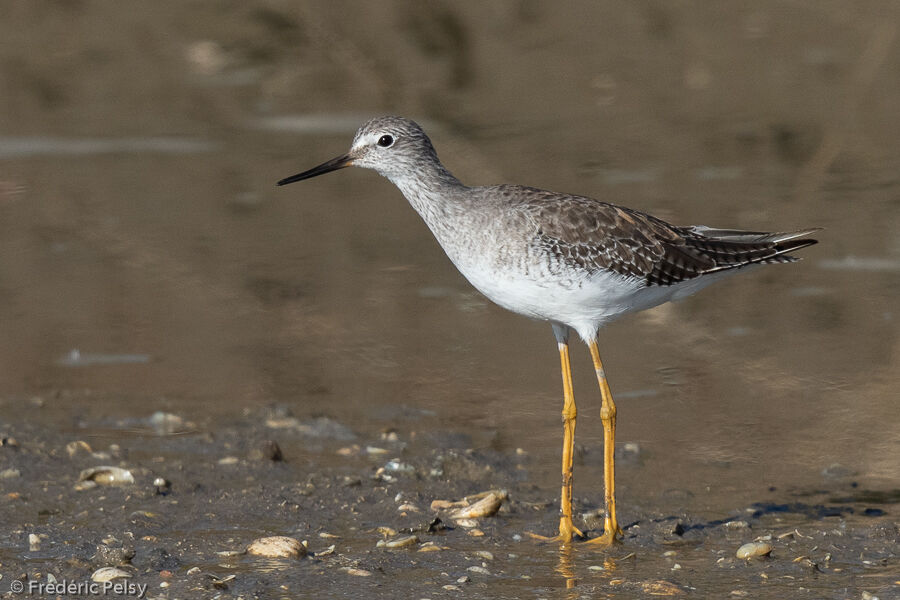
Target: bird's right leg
{"x": 611, "y": 529}
{"x": 567, "y": 529}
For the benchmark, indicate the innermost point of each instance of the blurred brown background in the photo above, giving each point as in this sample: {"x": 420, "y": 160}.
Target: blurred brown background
{"x": 140, "y": 225}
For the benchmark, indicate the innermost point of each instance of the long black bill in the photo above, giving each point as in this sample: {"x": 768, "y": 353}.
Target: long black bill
{"x": 327, "y": 167}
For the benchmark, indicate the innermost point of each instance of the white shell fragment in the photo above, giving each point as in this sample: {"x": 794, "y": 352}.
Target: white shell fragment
{"x": 278, "y": 546}
{"x": 487, "y": 506}
{"x": 751, "y": 549}
{"x": 445, "y": 504}
{"x": 400, "y": 542}
{"x": 78, "y": 447}
{"x": 467, "y": 523}
{"x": 104, "y": 475}
{"x": 105, "y": 574}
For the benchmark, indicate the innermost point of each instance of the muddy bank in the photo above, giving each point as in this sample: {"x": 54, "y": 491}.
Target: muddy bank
{"x": 361, "y": 503}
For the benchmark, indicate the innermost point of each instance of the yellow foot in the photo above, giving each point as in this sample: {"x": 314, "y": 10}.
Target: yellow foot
{"x": 607, "y": 540}
{"x": 565, "y": 536}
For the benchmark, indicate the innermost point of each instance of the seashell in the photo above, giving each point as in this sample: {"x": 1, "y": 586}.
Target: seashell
{"x": 751, "y": 549}
{"x": 278, "y": 546}
{"x": 400, "y": 542}
{"x": 106, "y": 475}
{"x": 487, "y": 506}
{"x": 105, "y": 574}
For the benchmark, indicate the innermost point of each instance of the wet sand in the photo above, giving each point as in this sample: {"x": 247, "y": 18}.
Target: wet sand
{"x": 148, "y": 265}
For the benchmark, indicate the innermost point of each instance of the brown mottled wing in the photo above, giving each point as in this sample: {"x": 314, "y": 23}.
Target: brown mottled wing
{"x": 594, "y": 235}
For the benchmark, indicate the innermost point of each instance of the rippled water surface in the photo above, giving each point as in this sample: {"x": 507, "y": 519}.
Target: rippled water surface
{"x": 148, "y": 263}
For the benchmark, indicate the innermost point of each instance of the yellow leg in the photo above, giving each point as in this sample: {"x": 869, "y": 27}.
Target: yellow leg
{"x": 567, "y": 529}
{"x": 608, "y": 416}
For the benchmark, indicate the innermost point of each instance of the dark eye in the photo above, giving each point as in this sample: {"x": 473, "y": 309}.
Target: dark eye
{"x": 385, "y": 141}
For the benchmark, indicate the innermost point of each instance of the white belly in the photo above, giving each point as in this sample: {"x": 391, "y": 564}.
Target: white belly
{"x": 584, "y": 305}
{"x": 588, "y": 302}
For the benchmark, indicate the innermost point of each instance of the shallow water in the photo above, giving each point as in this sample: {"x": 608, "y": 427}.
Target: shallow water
{"x": 140, "y": 227}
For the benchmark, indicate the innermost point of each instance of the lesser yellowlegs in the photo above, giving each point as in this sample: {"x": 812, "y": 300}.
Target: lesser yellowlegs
{"x": 573, "y": 261}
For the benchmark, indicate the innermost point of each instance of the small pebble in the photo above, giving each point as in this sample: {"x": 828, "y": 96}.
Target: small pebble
{"x": 661, "y": 588}
{"x": 10, "y": 473}
{"x": 463, "y": 579}
{"x": 356, "y": 572}
{"x": 381, "y": 475}
{"x": 632, "y": 448}
{"x": 278, "y": 546}
{"x": 395, "y": 466}
{"x": 484, "y": 554}
{"x": 477, "y": 569}
{"x": 836, "y": 471}
{"x": 163, "y": 486}
{"x": 270, "y": 450}
{"x": 206, "y": 57}
{"x": 164, "y": 423}
{"x": 111, "y": 554}
{"x": 751, "y": 549}
{"x": 475, "y": 533}
{"x": 228, "y": 460}
{"x": 34, "y": 542}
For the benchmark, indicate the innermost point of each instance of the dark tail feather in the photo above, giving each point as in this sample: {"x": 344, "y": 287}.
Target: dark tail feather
{"x": 703, "y": 250}
{"x": 737, "y": 235}
{"x": 730, "y": 248}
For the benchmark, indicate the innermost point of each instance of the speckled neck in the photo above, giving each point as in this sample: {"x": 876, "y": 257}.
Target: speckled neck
{"x": 433, "y": 192}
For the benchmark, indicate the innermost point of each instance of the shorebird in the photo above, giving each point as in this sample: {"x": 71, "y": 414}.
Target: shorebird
{"x": 575, "y": 262}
